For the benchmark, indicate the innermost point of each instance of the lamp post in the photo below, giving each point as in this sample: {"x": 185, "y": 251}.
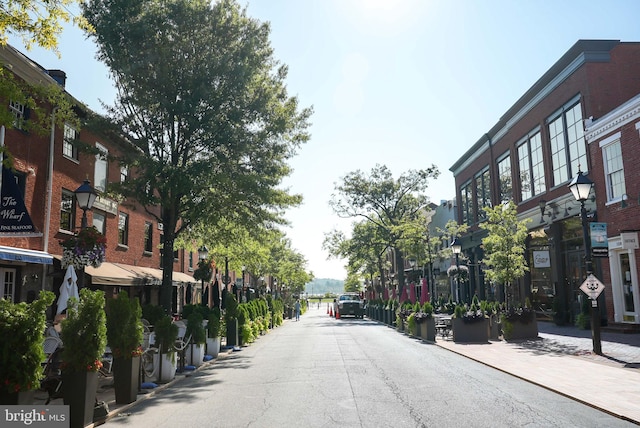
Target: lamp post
{"x": 85, "y": 196}
{"x": 580, "y": 187}
{"x": 457, "y": 248}
{"x": 203, "y": 254}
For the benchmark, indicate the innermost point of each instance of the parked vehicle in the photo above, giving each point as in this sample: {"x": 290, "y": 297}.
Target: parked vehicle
{"x": 350, "y": 304}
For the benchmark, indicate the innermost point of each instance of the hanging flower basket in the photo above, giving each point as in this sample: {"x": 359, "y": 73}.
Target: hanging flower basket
{"x": 87, "y": 248}
{"x": 462, "y": 273}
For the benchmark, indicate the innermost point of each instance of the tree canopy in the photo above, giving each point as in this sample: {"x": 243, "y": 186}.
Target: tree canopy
{"x": 393, "y": 206}
{"x": 39, "y": 22}
{"x": 202, "y": 97}
{"x": 504, "y": 246}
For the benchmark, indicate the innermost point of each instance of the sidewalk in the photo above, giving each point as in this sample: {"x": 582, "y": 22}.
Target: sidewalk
{"x": 562, "y": 360}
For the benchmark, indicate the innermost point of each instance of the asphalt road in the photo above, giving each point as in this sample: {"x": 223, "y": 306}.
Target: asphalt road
{"x": 322, "y": 372}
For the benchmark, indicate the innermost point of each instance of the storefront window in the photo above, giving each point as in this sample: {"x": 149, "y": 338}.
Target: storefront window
{"x": 542, "y": 287}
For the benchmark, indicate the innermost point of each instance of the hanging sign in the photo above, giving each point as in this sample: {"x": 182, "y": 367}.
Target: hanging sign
{"x": 599, "y": 240}
{"x": 14, "y": 218}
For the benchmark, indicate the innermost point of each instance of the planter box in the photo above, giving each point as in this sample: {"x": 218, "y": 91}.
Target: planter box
{"x": 474, "y": 332}
{"x": 195, "y": 354}
{"x": 79, "y": 393}
{"x": 126, "y": 376}
{"x": 522, "y": 331}
{"x": 17, "y": 398}
{"x": 427, "y": 329}
{"x": 165, "y": 367}
{"x": 213, "y": 346}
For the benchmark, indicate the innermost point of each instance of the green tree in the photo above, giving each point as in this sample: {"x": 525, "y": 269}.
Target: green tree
{"x": 392, "y": 205}
{"x": 39, "y": 22}
{"x": 201, "y": 96}
{"x": 365, "y": 251}
{"x": 504, "y": 247}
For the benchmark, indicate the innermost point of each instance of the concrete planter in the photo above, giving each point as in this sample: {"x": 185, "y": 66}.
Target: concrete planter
{"x": 518, "y": 330}
{"x": 195, "y": 354}
{"x": 213, "y": 346}
{"x": 427, "y": 329}
{"x": 473, "y": 332}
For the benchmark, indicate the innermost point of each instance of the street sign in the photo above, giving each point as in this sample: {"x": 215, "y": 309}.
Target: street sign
{"x": 592, "y": 287}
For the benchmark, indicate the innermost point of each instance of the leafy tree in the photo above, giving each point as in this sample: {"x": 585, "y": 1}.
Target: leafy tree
{"x": 201, "y": 96}
{"x": 38, "y": 22}
{"x": 504, "y": 246}
{"x": 365, "y": 250}
{"x": 392, "y": 205}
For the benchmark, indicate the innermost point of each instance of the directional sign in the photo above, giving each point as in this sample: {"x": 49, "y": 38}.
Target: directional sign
{"x": 592, "y": 287}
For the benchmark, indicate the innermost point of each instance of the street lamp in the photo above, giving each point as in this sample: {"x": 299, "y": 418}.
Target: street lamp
{"x": 456, "y": 247}
{"x": 580, "y": 187}
{"x": 85, "y": 196}
{"x": 203, "y": 254}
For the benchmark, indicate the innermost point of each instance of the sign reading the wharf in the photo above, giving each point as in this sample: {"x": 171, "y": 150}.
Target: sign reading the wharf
{"x": 35, "y": 416}
{"x": 541, "y": 259}
{"x": 599, "y": 240}
{"x": 14, "y": 218}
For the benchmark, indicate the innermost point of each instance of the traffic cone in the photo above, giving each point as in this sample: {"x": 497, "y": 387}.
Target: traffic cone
{"x": 330, "y": 312}
{"x": 327, "y": 309}
{"x": 337, "y": 314}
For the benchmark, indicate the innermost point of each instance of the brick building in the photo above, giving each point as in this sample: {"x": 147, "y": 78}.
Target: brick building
{"x": 531, "y": 154}
{"x": 614, "y": 146}
{"x": 47, "y": 171}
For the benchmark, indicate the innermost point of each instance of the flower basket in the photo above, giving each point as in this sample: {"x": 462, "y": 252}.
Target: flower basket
{"x": 87, "y": 248}
{"x": 21, "y": 353}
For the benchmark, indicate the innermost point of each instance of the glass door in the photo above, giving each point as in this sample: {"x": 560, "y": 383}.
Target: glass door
{"x": 627, "y": 287}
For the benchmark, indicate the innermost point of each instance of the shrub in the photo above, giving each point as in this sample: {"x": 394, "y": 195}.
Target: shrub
{"x": 84, "y": 332}
{"x": 21, "y": 353}
{"x": 124, "y": 328}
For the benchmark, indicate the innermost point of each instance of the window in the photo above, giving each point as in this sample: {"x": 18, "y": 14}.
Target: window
{"x": 69, "y": 150}
{"x": 148, "y": 237}
{"x": 466, "y": 199}
{"x": 19, "y": 112}
{"x": 100, "y": 169}
{"x": 100, "y": 221}
{"x": 483, "y": 193}
{"x": 613, "y": 168}
{"x": 190, "y": 260}
{"x": 531, "y": 164}
{"x": 568, "y": 149}
{"x": 123, "y": 229}
{"x": 505, "y": 180}
{"x": 7, "y": 284}
{"x": 124, "y": 173}
{"x": 67, "y": 211}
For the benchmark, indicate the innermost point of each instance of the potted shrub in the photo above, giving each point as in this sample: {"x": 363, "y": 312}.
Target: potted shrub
{"x": 213, "y": 330}
{"x": 469, "y": 324}
{"x": 21, "y": 353}
{"x": 165, "y": 335}
{"x": 124, "y": 337}
{"x": 519, "y": 323}
{"x": 84, "y": 334}
{"x": 230, "y": 319}
{"x": 198, "y": 334}
{"x": 426, "y": 322}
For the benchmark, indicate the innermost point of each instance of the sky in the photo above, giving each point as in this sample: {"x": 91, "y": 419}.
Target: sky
{"x": 402, "y": 83}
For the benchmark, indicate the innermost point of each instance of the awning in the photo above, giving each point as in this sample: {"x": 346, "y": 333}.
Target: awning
{"x": 182, "y": 277}
{"x": 146, "y": 275}
{"x": 13, "y": 254}
{"x": 112, "y": 274}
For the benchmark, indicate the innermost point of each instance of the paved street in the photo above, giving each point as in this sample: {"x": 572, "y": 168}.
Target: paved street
{"x": 326, "y": 372}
